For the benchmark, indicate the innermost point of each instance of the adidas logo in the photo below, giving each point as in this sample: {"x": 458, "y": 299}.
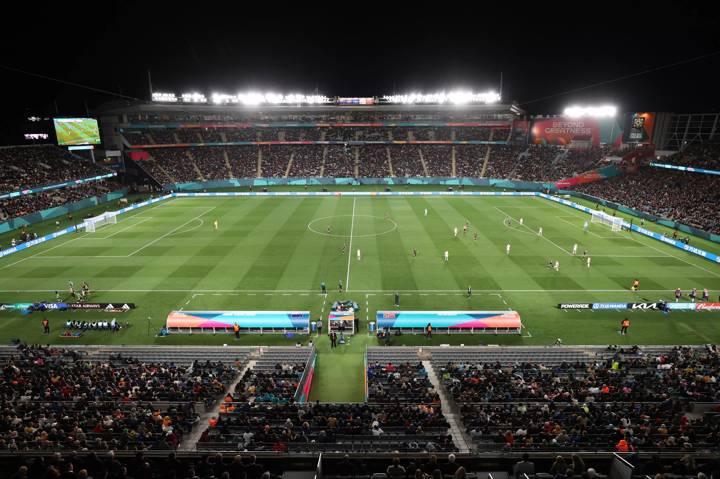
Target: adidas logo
{"x": 109, "y": 306}
{"x": 125, "y": 306}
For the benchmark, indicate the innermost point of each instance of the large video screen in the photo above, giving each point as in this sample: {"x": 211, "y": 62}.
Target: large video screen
{"x": 77, "y": 131}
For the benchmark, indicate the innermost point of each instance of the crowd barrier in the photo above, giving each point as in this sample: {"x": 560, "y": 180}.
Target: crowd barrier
{"x": 685, "y": 168}
{"x": 321, "y": 143}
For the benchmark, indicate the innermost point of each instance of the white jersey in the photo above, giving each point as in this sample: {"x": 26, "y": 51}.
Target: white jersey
{"x": 446, "y": 255}
{"x": 455, "y": 231}
{"x": 358, "y": 255}
{"x": 588, "y": 261}
{"x": 425, "y": 211}
{"x": 521, "y": 221}
{"x": 507, "y": 248}
{"x": 574, "y": 249}
{"x": 585, "y": 226}
{"x": 215, "y": 224}
{"x": 557, "y": 266}
{"x": 540, "y": 231}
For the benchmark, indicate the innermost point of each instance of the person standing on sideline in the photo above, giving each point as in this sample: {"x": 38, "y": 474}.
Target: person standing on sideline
{"x": 323, "y": 289}
{"x": 693, "y": 294}
{"x": 46, "y": 326}
{"x": 469, "y": 291}
{"x": 624, "y": 325}
{"x": 236, "y": 329}
{"x": 428, "y": 331}
{"x": 397, "y": 299}
{"x": 678, "y": 294}
{"x": 706, "y": 295}
{"x": 319, "y": 326}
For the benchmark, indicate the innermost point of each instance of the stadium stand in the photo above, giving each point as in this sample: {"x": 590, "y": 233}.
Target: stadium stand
{"x": 699, "y": 155}
{"x": 373, "y": 161}
{"x": 669, "y": 194}
{"x": 32, "y": 166}
{"x": 25, "y": 205}
{"x": 339, "y": 161}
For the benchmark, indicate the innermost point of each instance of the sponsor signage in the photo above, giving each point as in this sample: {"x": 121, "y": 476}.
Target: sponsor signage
{"x": 575, "y": 306}
{"x": 110, "y": 307}
{"x": 610, "y": 306}
{"x": 707, "y": 306}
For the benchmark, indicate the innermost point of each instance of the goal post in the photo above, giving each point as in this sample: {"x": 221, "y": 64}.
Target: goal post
{"x": 615, "y": 223}
{"x": 91, "y": 224}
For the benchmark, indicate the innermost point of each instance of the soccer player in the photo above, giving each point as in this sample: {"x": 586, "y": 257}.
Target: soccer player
{"x": 540, "y": 231}
{"x": 359, "y": 256}
{"x": 475, "y": 236}
{"x": 550, "y": 264}
{"x": 678, "y": 294}
{"x": 215, "y": 225}
{"x": 397, "y": 299}
{"x": 507, "y": 249}
{"x": 588, "y": 261}
{"x": 57, "y": 296}
{"x": 465, "y": 226}
{"x": 635, "y": 285}
{"x": 323, "y": 289}
{"x": 574, "y": 249}
{"x": 455, "y": 231}
{"x": 340, "y": 286}
{"x": 557, "y": 265}
{"x": 414, "y": 253}
{"x": 521, "y": 221}
{"x": 469, "y": 291}
{"x": 585, "y": 226}
{"x": 71, "y": 287}
{"x": 328, "y": 230}
{"x": 693, "y": 294}
{"x": 446, "y": 256}
{"x": 624, "y": 325}
{"x": 342, "y": 250}
{"x": 425, "y": 211}
{"x": 706, "y": 295}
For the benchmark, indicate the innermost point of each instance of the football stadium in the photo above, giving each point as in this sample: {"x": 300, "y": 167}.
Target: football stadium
{"x": 433, "y": 285}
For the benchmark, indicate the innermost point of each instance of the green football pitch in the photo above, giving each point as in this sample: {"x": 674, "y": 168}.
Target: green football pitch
{"x": 272, "y": 253}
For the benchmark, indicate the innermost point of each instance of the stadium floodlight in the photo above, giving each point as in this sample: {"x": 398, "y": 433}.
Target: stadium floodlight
{"x": 193, "y": 97}
{"x": 601, "y": 111}
{"x": 164, "y": 97}
{"x": 457, "y": 97}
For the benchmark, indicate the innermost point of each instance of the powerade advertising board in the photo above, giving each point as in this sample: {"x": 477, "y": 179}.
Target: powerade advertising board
{"x": 643, "y": 306}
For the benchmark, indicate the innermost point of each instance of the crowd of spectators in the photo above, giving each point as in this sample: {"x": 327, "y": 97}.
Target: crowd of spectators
{"x": 469, "y": 160}
{"x": 699, "y": 155}
{"x": 277, "y": 385}
{"x": 307, "y": 161}
{"x": 58, "y": 399}
{"x": 33, "y": 166}
{"x": 211, "y": 162}
{"x": 373, "y": 161}
{"x": 339, "y": 161}
{"x": 406, "y": 160}
{"x": 635, "y": 398}
{"x": 472, "y": 133}
{"x": 243, "y": 161}
{"x": 688, "y": 198}
{"x": 402, "y": 382}
{"x": 27, "y": 204}
{"x": 163, "y": 136}
{"x": 438, "y": 159}
{"x": 172, "y": 162}
{"x": 275, "y": 160}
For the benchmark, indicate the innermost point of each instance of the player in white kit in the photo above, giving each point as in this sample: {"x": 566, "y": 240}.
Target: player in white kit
{"x": 574, "y": 249}
{"x": 446, "y": 256}
{"x": 507, "y": 248}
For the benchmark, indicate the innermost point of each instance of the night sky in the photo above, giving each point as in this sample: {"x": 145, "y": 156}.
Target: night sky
{"x": 362, "y": 49}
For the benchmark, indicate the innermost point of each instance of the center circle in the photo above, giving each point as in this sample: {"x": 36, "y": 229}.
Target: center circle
{"x": 320, "y": 225}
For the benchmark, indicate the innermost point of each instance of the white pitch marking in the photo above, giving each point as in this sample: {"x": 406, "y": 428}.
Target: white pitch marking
{"x": 171, "y": 231}
{"x": 352, "y": 227}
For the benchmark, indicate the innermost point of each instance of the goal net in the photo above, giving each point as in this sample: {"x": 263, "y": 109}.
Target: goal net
{"x": 91, "y": 224}
{"x": 603, "y": 218}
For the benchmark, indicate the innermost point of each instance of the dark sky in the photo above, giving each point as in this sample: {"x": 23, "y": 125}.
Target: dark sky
{"x": 361, "y": 48}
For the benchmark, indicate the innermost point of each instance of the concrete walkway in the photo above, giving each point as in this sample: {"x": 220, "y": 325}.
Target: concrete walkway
{"x": 191, "y": 440}
{"x": 457, "y": 431}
